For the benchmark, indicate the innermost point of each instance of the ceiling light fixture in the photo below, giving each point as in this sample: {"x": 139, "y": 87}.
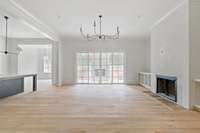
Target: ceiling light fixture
{"x": 100, "y": 36}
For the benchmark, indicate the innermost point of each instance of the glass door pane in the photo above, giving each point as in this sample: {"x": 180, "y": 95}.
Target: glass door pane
{"x": 118, "y": 67}
{"x": 94, "y": 68}
{"x": 106, "y": 67}
{"x": 82, "y": 68}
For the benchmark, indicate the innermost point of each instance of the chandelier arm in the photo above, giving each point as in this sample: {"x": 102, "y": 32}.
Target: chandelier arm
{"x": 114, "y": 37}
{"x": 95, "y": 37}
{"x": 85, "y": 36}
{"x": 92, "y": 37}
{"x": 95, "y": 30}
{"x": 82, "y": 33}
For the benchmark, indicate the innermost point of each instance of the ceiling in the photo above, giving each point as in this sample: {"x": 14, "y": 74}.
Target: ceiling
{"x": 134, "y": 17}
{"x": 17, "y": 29}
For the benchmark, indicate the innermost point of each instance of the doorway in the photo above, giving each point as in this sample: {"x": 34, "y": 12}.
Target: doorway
{"x": 36, "y": 59}
{"x": 100, "y": 68}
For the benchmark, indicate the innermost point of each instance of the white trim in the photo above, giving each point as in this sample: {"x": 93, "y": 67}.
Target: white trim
{"x": 13, "y": 9}
{"x": 32, "y": 41}
{"x": 60, "y": 64}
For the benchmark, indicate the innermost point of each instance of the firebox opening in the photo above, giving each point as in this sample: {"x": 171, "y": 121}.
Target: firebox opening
{"x": 167, "y": 87}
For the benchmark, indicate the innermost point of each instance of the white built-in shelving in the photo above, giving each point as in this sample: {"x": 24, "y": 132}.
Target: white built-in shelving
{"x": 145, "y": 79}
{"x": 196, "y": 94}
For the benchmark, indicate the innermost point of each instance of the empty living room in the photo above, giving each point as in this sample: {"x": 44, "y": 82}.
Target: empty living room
{"x": 99, "y": 66}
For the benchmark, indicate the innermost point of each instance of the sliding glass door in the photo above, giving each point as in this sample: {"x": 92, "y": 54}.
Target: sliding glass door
{"x": 94, "y": 70}
{"x": 106, "y": 67}
{"x": 118, "y": 68}
{"x": 100, "y": 68}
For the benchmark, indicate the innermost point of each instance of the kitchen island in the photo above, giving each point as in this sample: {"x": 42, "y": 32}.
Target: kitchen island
{"x": 14, "y": 84}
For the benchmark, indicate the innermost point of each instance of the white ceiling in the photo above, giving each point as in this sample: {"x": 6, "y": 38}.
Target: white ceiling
{"x": 17, "y": 29}
{"x": 134, "y": 17}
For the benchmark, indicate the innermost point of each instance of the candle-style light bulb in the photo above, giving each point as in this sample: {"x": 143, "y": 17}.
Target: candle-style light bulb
{"x": 95, "y": 27}
{"x": 118, "y": 29}
{"x": 81, "y": 30}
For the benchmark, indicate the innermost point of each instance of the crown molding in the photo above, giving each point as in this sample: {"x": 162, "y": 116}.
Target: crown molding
{"x": 13, "y": 9}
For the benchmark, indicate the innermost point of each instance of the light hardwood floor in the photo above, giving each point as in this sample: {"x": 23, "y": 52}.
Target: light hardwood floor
{"x": 95, "y": 109}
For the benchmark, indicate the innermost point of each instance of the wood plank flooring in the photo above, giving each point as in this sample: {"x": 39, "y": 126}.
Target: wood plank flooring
{"x": 95, "y": 109}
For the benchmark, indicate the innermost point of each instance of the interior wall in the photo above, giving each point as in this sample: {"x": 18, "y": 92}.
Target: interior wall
{"x": 28, "y": 60}
{"x": 31, "y": 60}
{"x": 170, "y": 50}
{"x": 137, "y": 52}
{"x": 7, "y": 61}
{"x": 194, "y": 48}
{"x": 2, "y": 57}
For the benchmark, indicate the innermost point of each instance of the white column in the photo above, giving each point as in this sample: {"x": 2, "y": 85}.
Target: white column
{"x": 60, "y": 64}
{"x": 55, "y": 64}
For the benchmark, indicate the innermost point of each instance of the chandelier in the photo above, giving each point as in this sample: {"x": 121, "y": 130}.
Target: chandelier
{"x": 100, "y": 35}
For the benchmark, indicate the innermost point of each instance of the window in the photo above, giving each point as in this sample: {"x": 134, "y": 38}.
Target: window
{"x": 95, "y": 68}
{"x": 47, "y": 64}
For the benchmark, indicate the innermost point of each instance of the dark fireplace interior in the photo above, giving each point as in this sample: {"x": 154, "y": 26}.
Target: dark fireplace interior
{"x": 167, "y": 87}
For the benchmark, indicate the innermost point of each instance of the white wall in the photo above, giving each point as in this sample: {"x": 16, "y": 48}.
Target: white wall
{"x": 194, "y": 47}
{"x": 2, "y": 57}
{"x": 170, "y": 50}
{"x": 137, "y": 51}
{"x": 30, "y": 60}
{"x": 6, "y": 61}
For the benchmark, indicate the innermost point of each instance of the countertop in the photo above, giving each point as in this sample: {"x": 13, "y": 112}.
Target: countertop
{"x": 15, "y": 76}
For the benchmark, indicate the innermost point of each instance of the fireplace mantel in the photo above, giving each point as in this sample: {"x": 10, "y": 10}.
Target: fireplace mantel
{"x": 166, "y": 77}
